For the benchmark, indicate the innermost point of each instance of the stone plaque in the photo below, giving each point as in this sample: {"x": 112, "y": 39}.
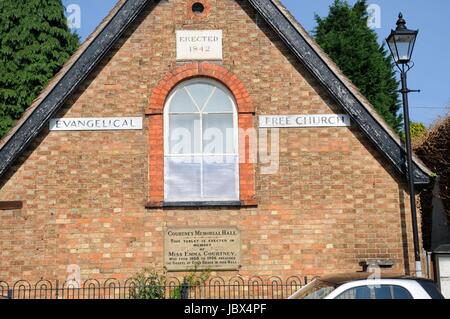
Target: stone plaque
{"x": 199, "y": 45}
{"x": 200, "y": 248}
{"x": 319, "y": 120}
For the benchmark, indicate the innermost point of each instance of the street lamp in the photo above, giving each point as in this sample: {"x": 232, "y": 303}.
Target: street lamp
{"x": 401, "y": 42}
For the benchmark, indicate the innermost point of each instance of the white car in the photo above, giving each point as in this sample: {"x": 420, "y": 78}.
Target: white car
{"x": 364, "y": 286}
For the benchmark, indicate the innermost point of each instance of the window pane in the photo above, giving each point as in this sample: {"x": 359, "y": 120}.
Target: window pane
{"x": 362, "y": 292}
{"x": 382, "y": 292}
{"x": 184, "y": 134}
{"x": 444, "y": 266}
{"x": 403, "y": 46}
{"x": 401, "y": 293}
{"x": 220, "y": 175}
{"x": 220, "y": 102}
{"x": 218, "y": 134}
{"x": 182, "y": 178}
{"x": 317, "y": 289}
{"x": 200, "y": 92}
{"x": 182, "y": 103}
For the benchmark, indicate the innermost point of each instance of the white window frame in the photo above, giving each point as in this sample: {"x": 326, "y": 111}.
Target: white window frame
{"x": 235, "y": 139}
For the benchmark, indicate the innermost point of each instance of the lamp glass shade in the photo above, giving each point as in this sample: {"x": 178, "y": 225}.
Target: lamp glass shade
{"x": 401, "y": 45}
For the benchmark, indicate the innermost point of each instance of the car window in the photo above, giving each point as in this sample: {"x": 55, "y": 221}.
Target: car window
{"x": 320, "y": 293}
{"x": 382, "y": 292}
{"x": 401, "y": 293}
{"x": 318, "y": 290}
{"x": 315, "y": 290}
{"x": 362, "y": 292}
{"x": 376, "y": 292}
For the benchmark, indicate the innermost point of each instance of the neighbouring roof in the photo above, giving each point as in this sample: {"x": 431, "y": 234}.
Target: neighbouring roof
{"x": 86, "y": 58}
{"x": 443, "y": 249}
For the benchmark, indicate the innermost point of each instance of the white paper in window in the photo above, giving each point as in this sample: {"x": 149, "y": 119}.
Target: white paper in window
{"x": 182, "y": 178}
{"x": 219, "y": 177}
{"x": 184, "y": 134}
{"x": 216, "y": 134}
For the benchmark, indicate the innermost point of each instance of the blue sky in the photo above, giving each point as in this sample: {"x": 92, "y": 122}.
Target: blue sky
{"x": 431, "y": 56}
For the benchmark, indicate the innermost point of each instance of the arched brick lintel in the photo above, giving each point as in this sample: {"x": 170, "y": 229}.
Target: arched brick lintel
{"x": 199, "y": 69}
{"x": 155, "y": 111}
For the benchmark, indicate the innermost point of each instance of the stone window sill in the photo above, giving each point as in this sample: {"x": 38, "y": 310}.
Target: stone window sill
{"x": 201, "y": 205}
{"x": 11, "y": 205}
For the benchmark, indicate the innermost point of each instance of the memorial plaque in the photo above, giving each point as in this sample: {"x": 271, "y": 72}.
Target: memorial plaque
{"x": 202, "y": 249}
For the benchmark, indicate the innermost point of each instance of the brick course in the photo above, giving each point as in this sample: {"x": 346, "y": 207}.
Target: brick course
{"x": 334, "y": 202}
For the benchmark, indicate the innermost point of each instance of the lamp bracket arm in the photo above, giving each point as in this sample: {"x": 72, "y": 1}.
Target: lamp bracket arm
{"x": 409, "y": 91}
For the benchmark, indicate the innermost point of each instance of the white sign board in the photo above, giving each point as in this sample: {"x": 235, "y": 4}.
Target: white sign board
{"x": 96, "y": 124}
{"x": 319, "y": 120}
{"x": 199, "y": 45}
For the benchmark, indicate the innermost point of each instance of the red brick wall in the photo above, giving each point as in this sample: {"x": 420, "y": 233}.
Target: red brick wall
{"x": 333, "y": 202}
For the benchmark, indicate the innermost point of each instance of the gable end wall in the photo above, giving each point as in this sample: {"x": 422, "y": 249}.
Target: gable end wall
{"x": 334, "y": 201}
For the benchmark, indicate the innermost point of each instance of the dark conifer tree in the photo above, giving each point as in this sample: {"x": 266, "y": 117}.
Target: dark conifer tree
{"x": 35, "y": 42}
{"x": 345, "y": 36}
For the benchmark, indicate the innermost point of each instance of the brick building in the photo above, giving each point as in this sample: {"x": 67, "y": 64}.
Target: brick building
{"x": 82, "y": 184}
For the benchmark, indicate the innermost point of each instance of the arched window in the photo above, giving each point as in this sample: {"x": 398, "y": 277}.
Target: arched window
{"x": 201, "y": 160}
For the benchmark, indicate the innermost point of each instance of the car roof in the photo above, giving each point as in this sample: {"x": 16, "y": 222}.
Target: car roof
{"x": 339, "y": 279}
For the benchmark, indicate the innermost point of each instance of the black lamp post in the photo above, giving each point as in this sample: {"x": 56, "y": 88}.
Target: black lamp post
{"x": 401, "y": 42}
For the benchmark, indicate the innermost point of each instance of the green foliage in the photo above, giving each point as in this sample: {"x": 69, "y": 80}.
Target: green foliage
{"x": 149, "y": 285}
{"x": 418, "y": 133}
{"x": 34, "y": 44}
{"x": 418, "y": 130}
{"x": 353, "y": 46}
{"x": 193, "y": 280}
